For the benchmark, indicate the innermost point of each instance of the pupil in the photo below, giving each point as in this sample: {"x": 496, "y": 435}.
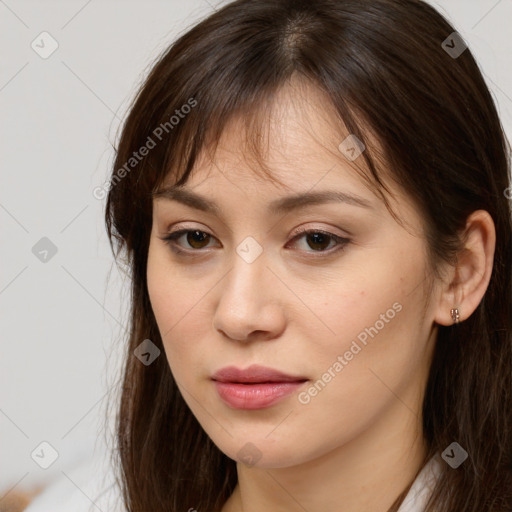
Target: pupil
{"x": 319, "y": 238}
{"x": 198, "y": 234}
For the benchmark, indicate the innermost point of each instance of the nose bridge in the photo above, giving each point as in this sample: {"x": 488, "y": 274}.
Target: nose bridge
{"x": 246, "y": 302}
{"x": 244, "y": 281}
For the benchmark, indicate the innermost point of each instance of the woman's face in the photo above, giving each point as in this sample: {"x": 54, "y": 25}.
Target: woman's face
{"x": 343, "y": 316}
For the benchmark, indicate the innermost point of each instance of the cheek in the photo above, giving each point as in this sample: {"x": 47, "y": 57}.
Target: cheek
{"x": 171, "y": 294}
{"x": 362, "y": 311}
{"x": 169, "y": 300}
{"x": 179, "y": 303}
{"x": 370, "y": 363}
{"x": 374, "y": 358}
{"x": 370, "y": 329}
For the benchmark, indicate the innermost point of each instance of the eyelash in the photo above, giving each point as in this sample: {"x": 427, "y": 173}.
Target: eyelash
{"x": 341, "y": 242}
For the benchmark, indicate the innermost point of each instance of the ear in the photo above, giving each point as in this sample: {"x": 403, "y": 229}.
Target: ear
{"x": 468, "y": 281}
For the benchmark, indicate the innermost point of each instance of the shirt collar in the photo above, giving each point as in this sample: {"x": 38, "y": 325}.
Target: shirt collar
{"x": 422, "y": 487}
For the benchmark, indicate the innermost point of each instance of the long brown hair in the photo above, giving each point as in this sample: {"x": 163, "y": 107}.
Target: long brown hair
{"x": 385, "y": 68}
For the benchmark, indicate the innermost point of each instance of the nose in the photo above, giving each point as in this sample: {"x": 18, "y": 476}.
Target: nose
{"x": 250, "y": 303}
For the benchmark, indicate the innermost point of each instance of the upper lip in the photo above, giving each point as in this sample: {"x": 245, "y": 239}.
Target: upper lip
{"x": 254, "y": 373}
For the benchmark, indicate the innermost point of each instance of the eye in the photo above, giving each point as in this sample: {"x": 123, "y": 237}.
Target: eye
{"x": 315, "y": 239}
{"x": 319, "y": 240}
{"x": 196, "y": 239}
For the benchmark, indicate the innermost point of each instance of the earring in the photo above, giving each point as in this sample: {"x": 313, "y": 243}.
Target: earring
{"x": 455, "y": 315}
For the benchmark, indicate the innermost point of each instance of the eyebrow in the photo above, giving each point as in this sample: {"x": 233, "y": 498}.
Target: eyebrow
{"x": 278, "y": 206}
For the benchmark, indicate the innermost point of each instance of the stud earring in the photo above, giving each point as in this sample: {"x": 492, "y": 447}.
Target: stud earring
{"x": 455, "y": 315}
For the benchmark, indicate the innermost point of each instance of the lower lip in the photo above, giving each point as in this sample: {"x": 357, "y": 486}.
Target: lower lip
{"x": 254, "y": 396}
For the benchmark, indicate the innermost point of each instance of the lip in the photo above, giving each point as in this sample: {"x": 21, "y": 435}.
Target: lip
{"x": 254, "y": 374}
{"x": 255, "y": 387}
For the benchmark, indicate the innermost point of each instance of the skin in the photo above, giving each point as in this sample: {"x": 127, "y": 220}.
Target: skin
{"x": 359, "y": 439}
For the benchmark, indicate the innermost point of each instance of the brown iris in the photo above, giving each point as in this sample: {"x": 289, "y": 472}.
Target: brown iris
{"x": 319, "y": 239}
{"x": 197, "y": 237}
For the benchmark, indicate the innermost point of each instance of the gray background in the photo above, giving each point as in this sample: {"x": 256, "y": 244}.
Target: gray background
{"x": 62, "y": 319}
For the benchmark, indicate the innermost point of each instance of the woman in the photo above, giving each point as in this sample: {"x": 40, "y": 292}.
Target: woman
{"x": 312, "y": 199}
{"x": 380, "y": 104}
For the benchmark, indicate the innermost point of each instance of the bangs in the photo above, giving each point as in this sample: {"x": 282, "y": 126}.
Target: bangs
{"x": 195, "y": 141}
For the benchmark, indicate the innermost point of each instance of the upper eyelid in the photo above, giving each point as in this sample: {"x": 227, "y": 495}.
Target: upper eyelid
{"x": 295, "y": 233}
{"x": 301, "y": 229}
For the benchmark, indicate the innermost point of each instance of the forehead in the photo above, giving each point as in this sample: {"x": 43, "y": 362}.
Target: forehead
{"x": 295, "y": 136}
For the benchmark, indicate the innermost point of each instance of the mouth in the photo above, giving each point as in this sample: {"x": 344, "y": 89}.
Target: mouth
{"x": 259, "y": 382}
{"x": 256, "y": 387}
{"x": 254, "y": 374}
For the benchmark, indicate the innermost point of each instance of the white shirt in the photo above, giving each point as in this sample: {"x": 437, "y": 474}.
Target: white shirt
{"x": 422, "y": 487}
{"x": 92, "y": 487}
